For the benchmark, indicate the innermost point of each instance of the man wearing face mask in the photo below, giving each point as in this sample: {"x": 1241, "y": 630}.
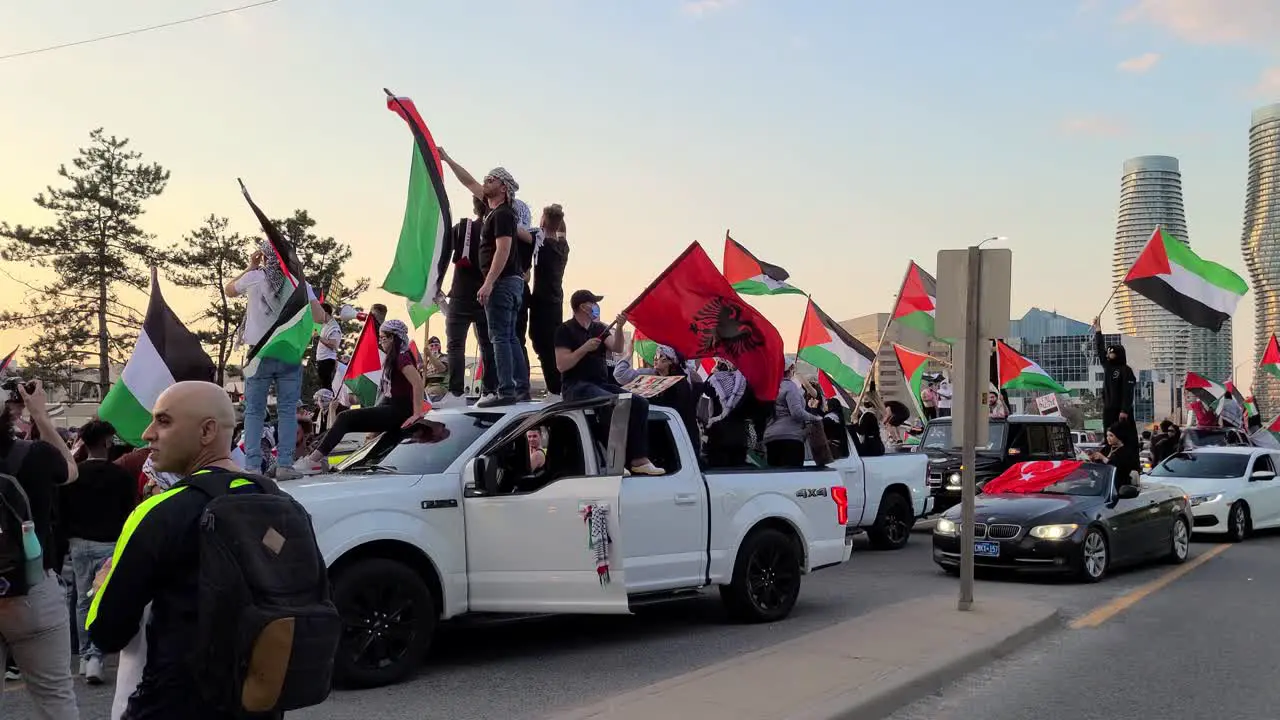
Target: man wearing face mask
{"x": 580, "y": 358}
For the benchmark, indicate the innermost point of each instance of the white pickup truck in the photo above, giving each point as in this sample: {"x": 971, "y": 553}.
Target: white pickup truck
{"x": 524, "y": 510}
{"x": 887, "y": 494}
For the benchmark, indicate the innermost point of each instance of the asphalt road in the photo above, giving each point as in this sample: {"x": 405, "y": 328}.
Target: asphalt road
{"x": 529, "y": 669}
{"x": 1204, "y": 646}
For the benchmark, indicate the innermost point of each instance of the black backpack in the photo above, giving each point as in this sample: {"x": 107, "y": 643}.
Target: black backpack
{"x": 267, "y": 632}
{"x": 15, "y": 509}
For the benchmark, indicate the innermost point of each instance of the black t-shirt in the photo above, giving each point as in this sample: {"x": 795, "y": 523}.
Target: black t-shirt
{"x": 42, "y": 471}
{"x": 591, "y": 368}
{"x": 525, "y": 251}
{"x": 95, "y": 506}
{"x": 548, "y": 274}
{"x": 500, "y": 222}
{"x": 467, "y": 277}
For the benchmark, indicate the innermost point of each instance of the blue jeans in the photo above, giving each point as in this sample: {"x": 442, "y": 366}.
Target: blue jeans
{"x": 288, "y": 381}
{"x": 502, "y": 310}
{"x": 87, "y": 557}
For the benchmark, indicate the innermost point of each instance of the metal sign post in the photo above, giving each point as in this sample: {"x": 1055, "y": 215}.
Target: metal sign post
{"x": 973, "y": 307}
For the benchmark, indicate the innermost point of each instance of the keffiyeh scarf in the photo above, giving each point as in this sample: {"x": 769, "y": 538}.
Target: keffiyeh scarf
{"x": 729, "y": 386}
{"x": 596, "y": 518}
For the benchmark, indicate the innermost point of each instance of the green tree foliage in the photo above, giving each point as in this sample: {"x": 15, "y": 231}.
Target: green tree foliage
{"x": 206, "y": 259}
{"x": 93, "y": 247}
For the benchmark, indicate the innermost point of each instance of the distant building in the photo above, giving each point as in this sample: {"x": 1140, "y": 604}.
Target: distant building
{"x": 1260, "y": 242}
{"x": 889, "y": 377}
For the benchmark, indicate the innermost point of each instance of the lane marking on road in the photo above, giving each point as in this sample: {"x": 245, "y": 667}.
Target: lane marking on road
{"x": 1105, "y": 612}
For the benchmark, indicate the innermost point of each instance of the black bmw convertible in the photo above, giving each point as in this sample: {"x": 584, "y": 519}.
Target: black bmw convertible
{"x": 1081, "y": 524}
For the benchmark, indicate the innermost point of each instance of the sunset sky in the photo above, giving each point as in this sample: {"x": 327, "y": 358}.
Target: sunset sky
{"x": 838, "y": 139}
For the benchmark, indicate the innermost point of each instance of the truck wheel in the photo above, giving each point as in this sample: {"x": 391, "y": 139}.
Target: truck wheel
{"x": 766, "y": 578}
{"x": 388, "y": 619}
{"x": 893, "y": 523}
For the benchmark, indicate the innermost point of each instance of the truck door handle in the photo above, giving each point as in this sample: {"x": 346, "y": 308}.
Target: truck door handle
{"x": 686, "y": 499}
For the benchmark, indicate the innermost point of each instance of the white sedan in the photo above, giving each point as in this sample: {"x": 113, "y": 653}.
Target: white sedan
{"x": 1233, "y": 490}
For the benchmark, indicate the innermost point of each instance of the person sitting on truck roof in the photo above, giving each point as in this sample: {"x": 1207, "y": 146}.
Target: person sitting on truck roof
{"x": 681, "y": 397}
{"x": 580, "y": 358}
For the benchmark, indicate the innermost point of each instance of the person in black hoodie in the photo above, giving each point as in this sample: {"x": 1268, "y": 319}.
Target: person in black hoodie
{"x": 1118, "y": 383}
{"x": 1121, "y": 455}
{"x": 1166, "y": 442}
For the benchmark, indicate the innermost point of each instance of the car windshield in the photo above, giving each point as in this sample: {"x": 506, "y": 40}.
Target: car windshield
{"x": 429, "y": 447}
{"x": 1202, "y": 465}
{"x": 1090, "y": 479}
{"x": 938, "y": 437}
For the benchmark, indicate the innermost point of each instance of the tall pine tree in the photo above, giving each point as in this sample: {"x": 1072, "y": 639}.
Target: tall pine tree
{"x": 93, "y": 247}
{"x": 206, "y": 259}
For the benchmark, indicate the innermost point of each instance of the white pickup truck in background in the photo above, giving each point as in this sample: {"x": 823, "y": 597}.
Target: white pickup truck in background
{"x": 524, "y": 510}
{"x": 887, "y": 494}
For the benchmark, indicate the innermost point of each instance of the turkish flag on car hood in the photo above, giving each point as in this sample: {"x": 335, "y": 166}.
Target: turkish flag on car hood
{"x": 692, "y": 308}
{"x": 1031, "y": 477}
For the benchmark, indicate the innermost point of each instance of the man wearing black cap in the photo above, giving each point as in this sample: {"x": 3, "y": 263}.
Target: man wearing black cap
{"x": 580, "y": 352}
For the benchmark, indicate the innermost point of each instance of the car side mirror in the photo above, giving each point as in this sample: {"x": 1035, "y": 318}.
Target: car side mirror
{"x": 1127, "y": 492}
{"x": 1262, "y": 475}
{"x": 482, "y": 476}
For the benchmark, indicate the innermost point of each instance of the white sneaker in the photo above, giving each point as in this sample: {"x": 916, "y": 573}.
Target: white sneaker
{"x": 12, "y": 675}
{"x": 487, "y": 398}
{"x": 93, "y": 671}
{"x": 647, "y": 469}
{"x": 450, "y": 401}
{"x": 84, "y": 666}
{"x": 286, "y": 473}
{"x": 307, "y": 466}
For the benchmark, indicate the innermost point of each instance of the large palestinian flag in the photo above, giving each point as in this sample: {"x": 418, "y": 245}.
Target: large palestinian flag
{"x": 166, "y": 352}
{"x": 917, "y": 301}
{"x": 364, "y": 372}
{"x": 1271, "y": 358}
{"x": 1201, "y": 292}
{"x": 418, "y": 265}
{"x": 1203, "y": 389}
{"x": 751, "y": 276}
{"x": 913, "y": 365}
{"x": 830, "y": 348}
{"x": 1018, "y": 372}
{"x": 289, "y": 337}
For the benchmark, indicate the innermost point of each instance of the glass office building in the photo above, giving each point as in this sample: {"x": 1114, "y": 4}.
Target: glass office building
{"x": 1260, "y": 242}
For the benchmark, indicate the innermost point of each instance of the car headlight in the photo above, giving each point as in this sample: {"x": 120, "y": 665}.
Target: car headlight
{"x": 946, "y": 527}
{"x": 953, "y": 481}
{"x": 1053, "y": 532}
{"x": 1202, "y": 499}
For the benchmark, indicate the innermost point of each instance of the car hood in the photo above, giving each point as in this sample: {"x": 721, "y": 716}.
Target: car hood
{"x": 1020, "y": 508}
{"x": 342, "y": 485}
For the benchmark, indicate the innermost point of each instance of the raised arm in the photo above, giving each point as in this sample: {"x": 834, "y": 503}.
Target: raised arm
{"x": 468, "y": 181}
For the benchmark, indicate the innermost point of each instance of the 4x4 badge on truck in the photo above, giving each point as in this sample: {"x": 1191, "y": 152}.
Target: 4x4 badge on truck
{"x": 811, "y": 492}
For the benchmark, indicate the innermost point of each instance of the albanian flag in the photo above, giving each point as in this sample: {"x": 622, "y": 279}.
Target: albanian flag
{"x": 1031, "y": 477}
{"x": 692, "y": 308}
{"x": 752, "y": 276}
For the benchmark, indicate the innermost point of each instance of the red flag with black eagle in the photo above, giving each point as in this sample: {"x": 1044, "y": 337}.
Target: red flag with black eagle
{"x": 692, "y": 308}
{"x": 1031, "y": 477}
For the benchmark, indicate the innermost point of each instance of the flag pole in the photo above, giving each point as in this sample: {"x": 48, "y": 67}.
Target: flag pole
{"x": 1116, "y": 289}
{"x": 875, "y": 364}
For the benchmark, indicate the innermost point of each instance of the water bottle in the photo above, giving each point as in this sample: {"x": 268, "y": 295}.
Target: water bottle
{"x": 31, "y": 550}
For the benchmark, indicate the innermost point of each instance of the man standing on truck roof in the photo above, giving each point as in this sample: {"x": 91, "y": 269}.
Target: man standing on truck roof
{"x": 580, "y": 349}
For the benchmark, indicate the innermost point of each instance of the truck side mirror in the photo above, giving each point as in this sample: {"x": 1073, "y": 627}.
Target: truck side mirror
{"x": 482, "y": 477}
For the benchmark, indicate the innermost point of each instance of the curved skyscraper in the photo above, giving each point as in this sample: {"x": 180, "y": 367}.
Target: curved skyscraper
{"x": 1261, "y": 242}
{"x": 1151, "y": 195}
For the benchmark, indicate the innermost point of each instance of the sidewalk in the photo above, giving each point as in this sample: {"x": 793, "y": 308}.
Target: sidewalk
{"x": 861, "y": 669}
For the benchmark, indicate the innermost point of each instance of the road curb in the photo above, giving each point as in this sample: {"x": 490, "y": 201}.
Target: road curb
{"x": 891, "y": 696}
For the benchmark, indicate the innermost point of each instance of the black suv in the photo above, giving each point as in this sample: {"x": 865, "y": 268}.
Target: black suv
{"x": 1011, "y": 440}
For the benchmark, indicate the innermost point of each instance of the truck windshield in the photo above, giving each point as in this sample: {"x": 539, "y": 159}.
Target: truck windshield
{"x": 938, "y": 437}
{"x": 427, "y": 448}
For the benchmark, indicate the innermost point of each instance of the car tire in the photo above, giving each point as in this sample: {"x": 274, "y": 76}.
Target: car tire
{"x": 1238, "y": 522}
{"x": 1095, "y": 556}
{"x": 1180, "y": 542}
{"x": 892, "y": 528}
{"x": 389, "y": 616}
{"x": 766, "y": 578}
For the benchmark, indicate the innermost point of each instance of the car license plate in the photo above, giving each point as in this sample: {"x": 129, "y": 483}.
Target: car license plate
{"x": 986, "y": 549}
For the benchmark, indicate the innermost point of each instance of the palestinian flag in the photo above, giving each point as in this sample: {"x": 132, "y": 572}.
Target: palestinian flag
{"x": 703, "y": 367}
{"x": 166, "y": 352}
{"x": 1271, "y": 358}
{"x": 830, "y": 348}
{"x": 913, "y": 365}
{"x": 830, "y": 390}
{"x": 917, "y": 301}
{"x": 418, "y": 266}
{"x": 645, "y": 348}
{"x": 1018, "y": 372}
{"x": 8, "y": 360}
{"x": 419, "y": 315}
{"x": 1168, "y": 274}
{"x": 289, "y": 337}
{"x": 1203, "y": 389}
{"x": 1031, "y": 477}
{"x": 750, "y": 276}
{"x": 364, "y": 372}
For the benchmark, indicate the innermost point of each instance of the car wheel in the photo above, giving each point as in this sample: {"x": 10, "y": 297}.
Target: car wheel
{"x": 1095, "y": 556}
{"x": 766, "y": 578}
{"x": 1180, "y": 546}
{"x": 892, "y": 528}
{"x": 389, "y": 616}
{"x": 1238, "y": 522}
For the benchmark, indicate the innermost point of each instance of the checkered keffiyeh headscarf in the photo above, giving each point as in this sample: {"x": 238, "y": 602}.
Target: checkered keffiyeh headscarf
{"x": 501, "y": 175}
{"x": 271, "y": 266}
